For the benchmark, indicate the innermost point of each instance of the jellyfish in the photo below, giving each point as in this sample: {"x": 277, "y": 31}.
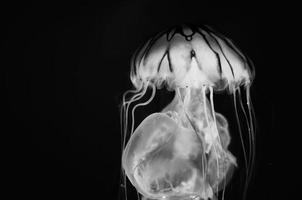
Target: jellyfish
{"x": 182, "y": 152}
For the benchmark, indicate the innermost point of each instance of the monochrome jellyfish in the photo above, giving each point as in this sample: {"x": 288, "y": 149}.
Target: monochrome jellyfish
{"x": 181, "y": 153}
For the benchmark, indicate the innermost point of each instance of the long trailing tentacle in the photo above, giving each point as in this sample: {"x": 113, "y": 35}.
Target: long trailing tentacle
{"x": 252, "y": 125}
{"x": 123, "y": 122}
{"x": 247, "y": 155}
{"x": 133, "y": 110}
{"x": 249, "y": 119}
{"x": 249, "y": 130}
{"x": 137, "y": 94}
{"x": 136, "y": 97}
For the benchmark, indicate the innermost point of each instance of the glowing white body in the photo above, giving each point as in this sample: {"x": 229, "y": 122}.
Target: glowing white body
{"x": 182, "y": 152}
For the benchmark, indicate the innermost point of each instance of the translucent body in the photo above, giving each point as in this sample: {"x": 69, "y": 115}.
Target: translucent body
{"x": 165, "y": 156}
{"x": 182, "y": 151}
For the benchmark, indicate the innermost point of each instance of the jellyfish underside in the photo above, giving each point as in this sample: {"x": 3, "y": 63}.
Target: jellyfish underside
{"x": 180, "y": 153}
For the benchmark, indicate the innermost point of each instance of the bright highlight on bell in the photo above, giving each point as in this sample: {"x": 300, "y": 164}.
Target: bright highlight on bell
{"x": 181, "y": 153}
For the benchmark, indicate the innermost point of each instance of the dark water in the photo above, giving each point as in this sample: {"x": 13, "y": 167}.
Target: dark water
{"x": 65, "y": 69}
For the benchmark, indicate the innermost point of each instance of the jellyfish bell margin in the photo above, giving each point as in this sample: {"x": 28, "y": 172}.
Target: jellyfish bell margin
{"x": 193, "y": 62}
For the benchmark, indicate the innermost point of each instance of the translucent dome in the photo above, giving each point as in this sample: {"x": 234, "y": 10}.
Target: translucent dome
{"x": 189, "y": 56}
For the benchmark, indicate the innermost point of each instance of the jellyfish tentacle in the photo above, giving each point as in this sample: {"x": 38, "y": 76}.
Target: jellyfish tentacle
{"x": 142, "y": 104}
{"x": 136, "y": 96}
{"x": 252, "y": 130}
{"x": 249, "y": 130}
{"x": 125, "y": 107}
{"x": 252, "y": 118}
{"x": 134, "y": 91}
{"x": 251, "y": 134}
{"x": 133, "y": 99}
{"x": 123, "y": 120}
{"x": 241, "y": 140}
{"x": 123, "y": 111}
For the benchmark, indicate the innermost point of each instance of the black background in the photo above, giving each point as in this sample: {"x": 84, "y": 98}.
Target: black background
{"x": 66, "y": 67}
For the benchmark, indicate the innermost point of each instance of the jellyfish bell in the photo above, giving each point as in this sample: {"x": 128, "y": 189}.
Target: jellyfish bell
{"x": 203, "y": 60}
{"x": 182, "y": 151}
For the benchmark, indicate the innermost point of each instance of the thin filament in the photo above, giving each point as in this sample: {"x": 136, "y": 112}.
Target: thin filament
{"x": 142, "y": 104}
{"x": 252, "y": 125}
{"x": 123, "y": 111}
{"x": 241, "y": 139}
{"x": 133, "y": 99}
{"x": 125, "y": 107}
{"x": 249, "y": 131}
